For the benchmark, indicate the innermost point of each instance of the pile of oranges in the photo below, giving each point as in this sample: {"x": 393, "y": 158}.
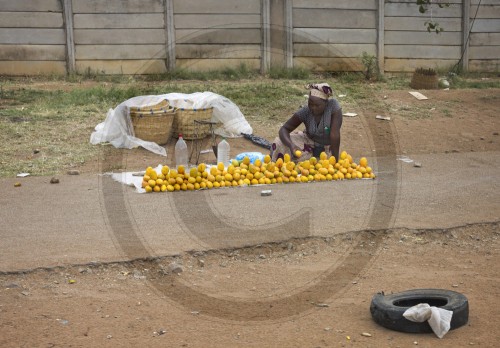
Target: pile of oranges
{"x": 263, "y": 172}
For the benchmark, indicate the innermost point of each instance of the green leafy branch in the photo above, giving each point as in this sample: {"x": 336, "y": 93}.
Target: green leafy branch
{"x": 424, "y": 6}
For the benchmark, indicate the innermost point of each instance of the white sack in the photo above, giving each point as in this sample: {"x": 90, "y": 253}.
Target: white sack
{"x": 117, "y": 128}
{"x": 439, "y": 319}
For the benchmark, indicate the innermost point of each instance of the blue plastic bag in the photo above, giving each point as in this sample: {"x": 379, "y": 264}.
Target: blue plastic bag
{"x": 252, "y": 155}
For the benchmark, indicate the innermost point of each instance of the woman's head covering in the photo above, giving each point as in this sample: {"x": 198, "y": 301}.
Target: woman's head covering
{"x": 320, "y": 90}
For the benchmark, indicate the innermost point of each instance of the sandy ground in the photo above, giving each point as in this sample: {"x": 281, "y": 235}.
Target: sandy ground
{"x": 312, "y": 292}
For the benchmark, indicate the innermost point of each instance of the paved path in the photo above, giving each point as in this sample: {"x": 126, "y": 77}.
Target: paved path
{"x": 92, "y": 218}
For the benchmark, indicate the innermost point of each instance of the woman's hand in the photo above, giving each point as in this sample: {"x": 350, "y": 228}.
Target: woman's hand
{"x": 293, "y": 151}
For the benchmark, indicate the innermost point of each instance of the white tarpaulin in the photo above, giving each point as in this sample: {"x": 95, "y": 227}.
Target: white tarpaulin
{"x": 117, "y": 127}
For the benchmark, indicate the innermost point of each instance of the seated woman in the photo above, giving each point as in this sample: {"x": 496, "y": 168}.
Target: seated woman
{"x": 322, "y": 118}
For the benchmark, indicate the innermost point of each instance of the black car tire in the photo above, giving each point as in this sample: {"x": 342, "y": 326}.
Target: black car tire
{"x": 387, "y": 310}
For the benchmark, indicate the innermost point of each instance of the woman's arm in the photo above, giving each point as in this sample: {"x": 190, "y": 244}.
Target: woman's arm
{"x": 336, "y": 124}
{"x": 285, "y": 131}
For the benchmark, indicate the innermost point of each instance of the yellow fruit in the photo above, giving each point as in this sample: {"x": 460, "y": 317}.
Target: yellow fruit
{"x": 144, "y": 184}
{"x": 294, "y": 173}
{"x": 267, "y": 159}
{"x": 254, "y": 181}
{"x": 273, "y": 181}
{"x": 331, "y": 171}
{"x": 286, "y": 158}
{"x": 279, "y": 162}
{"x": 183, "y": 187}
{"x": 153, "y": 175}
{"x": 181, "y": 169}
{"x": 246, "y": 160}
{"x": 323, "y": 171}
{"x": 210, "y": 185}
{"x": 234, "y": 183}
{"x": 286, "y": 180}
{"x": 191, "y": 180}
{"x": 159, "y": 182}
{"x": 190, "y": 187}
{"x": 362, "y": 170}
{"x": 360, "y": 175}
{"x": 335, "y": 176}
{"x": 304, "y": 172}
{"x": 222, "y": 184}
{"x": 262, "y": 181}
{"x": 148, "y": 189}
{"x": 170, "y": 188}
{"x": 157, "y": 188}
{"x": 313, "y": 160}
{"x": 228, "y": 177}
{"x": 165, "y": 170}
{"x": 372, "y": 175}
{"x": 298, "y": 153}
{"x": 146, "y": 177}
{"x": 219, "y": 178}
{"x": 163, "y": 188}
{"x": 343, "y": 155}
{"x": 216, "y": 184}
{"x": 203, "y": 185}
{"x": 230, "y": 169}
{"x": 193, "y": 172}
{"x": 363, "y": 162}
{"x": 348, "y": 176}
{"x": 161, "y": 176}
{"x": 149, "y": 170}
{"x": 179, "y": 180}
{"x": 237, "y": 176}
{"x": 368, "y": 170}
{"x": 220, "y": 166}
{"x": 177, "y": 187}
{"x": 235, "y": 163}
{"x": 246, "y": 181}
{"x": 304, "y": 178}
{"x": 323, "y": 156}
{"x": 279, "y": 180}
{"x": 228, "y": 183}
{"x": 291, "y": 179}
{"x": 341, "y": 175}
{"x": 152, "y": 183}
{"x": 332, "y": 160}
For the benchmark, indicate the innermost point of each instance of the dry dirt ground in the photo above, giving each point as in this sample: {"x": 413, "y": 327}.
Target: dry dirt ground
{"x": 299, "y": 293}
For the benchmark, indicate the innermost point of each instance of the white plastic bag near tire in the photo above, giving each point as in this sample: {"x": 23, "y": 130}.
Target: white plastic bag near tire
{"x": 117, "y": 128}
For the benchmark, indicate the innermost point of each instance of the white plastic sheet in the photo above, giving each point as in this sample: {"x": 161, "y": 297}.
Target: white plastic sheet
{"x": 439, "y": 319}
{"x": 117, "y": 127}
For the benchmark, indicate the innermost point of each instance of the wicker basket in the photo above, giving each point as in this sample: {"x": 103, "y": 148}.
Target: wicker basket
{"x": 423, "y": 79}
{"x": 153, "y": 122}
{"x": 184, "y": 123}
